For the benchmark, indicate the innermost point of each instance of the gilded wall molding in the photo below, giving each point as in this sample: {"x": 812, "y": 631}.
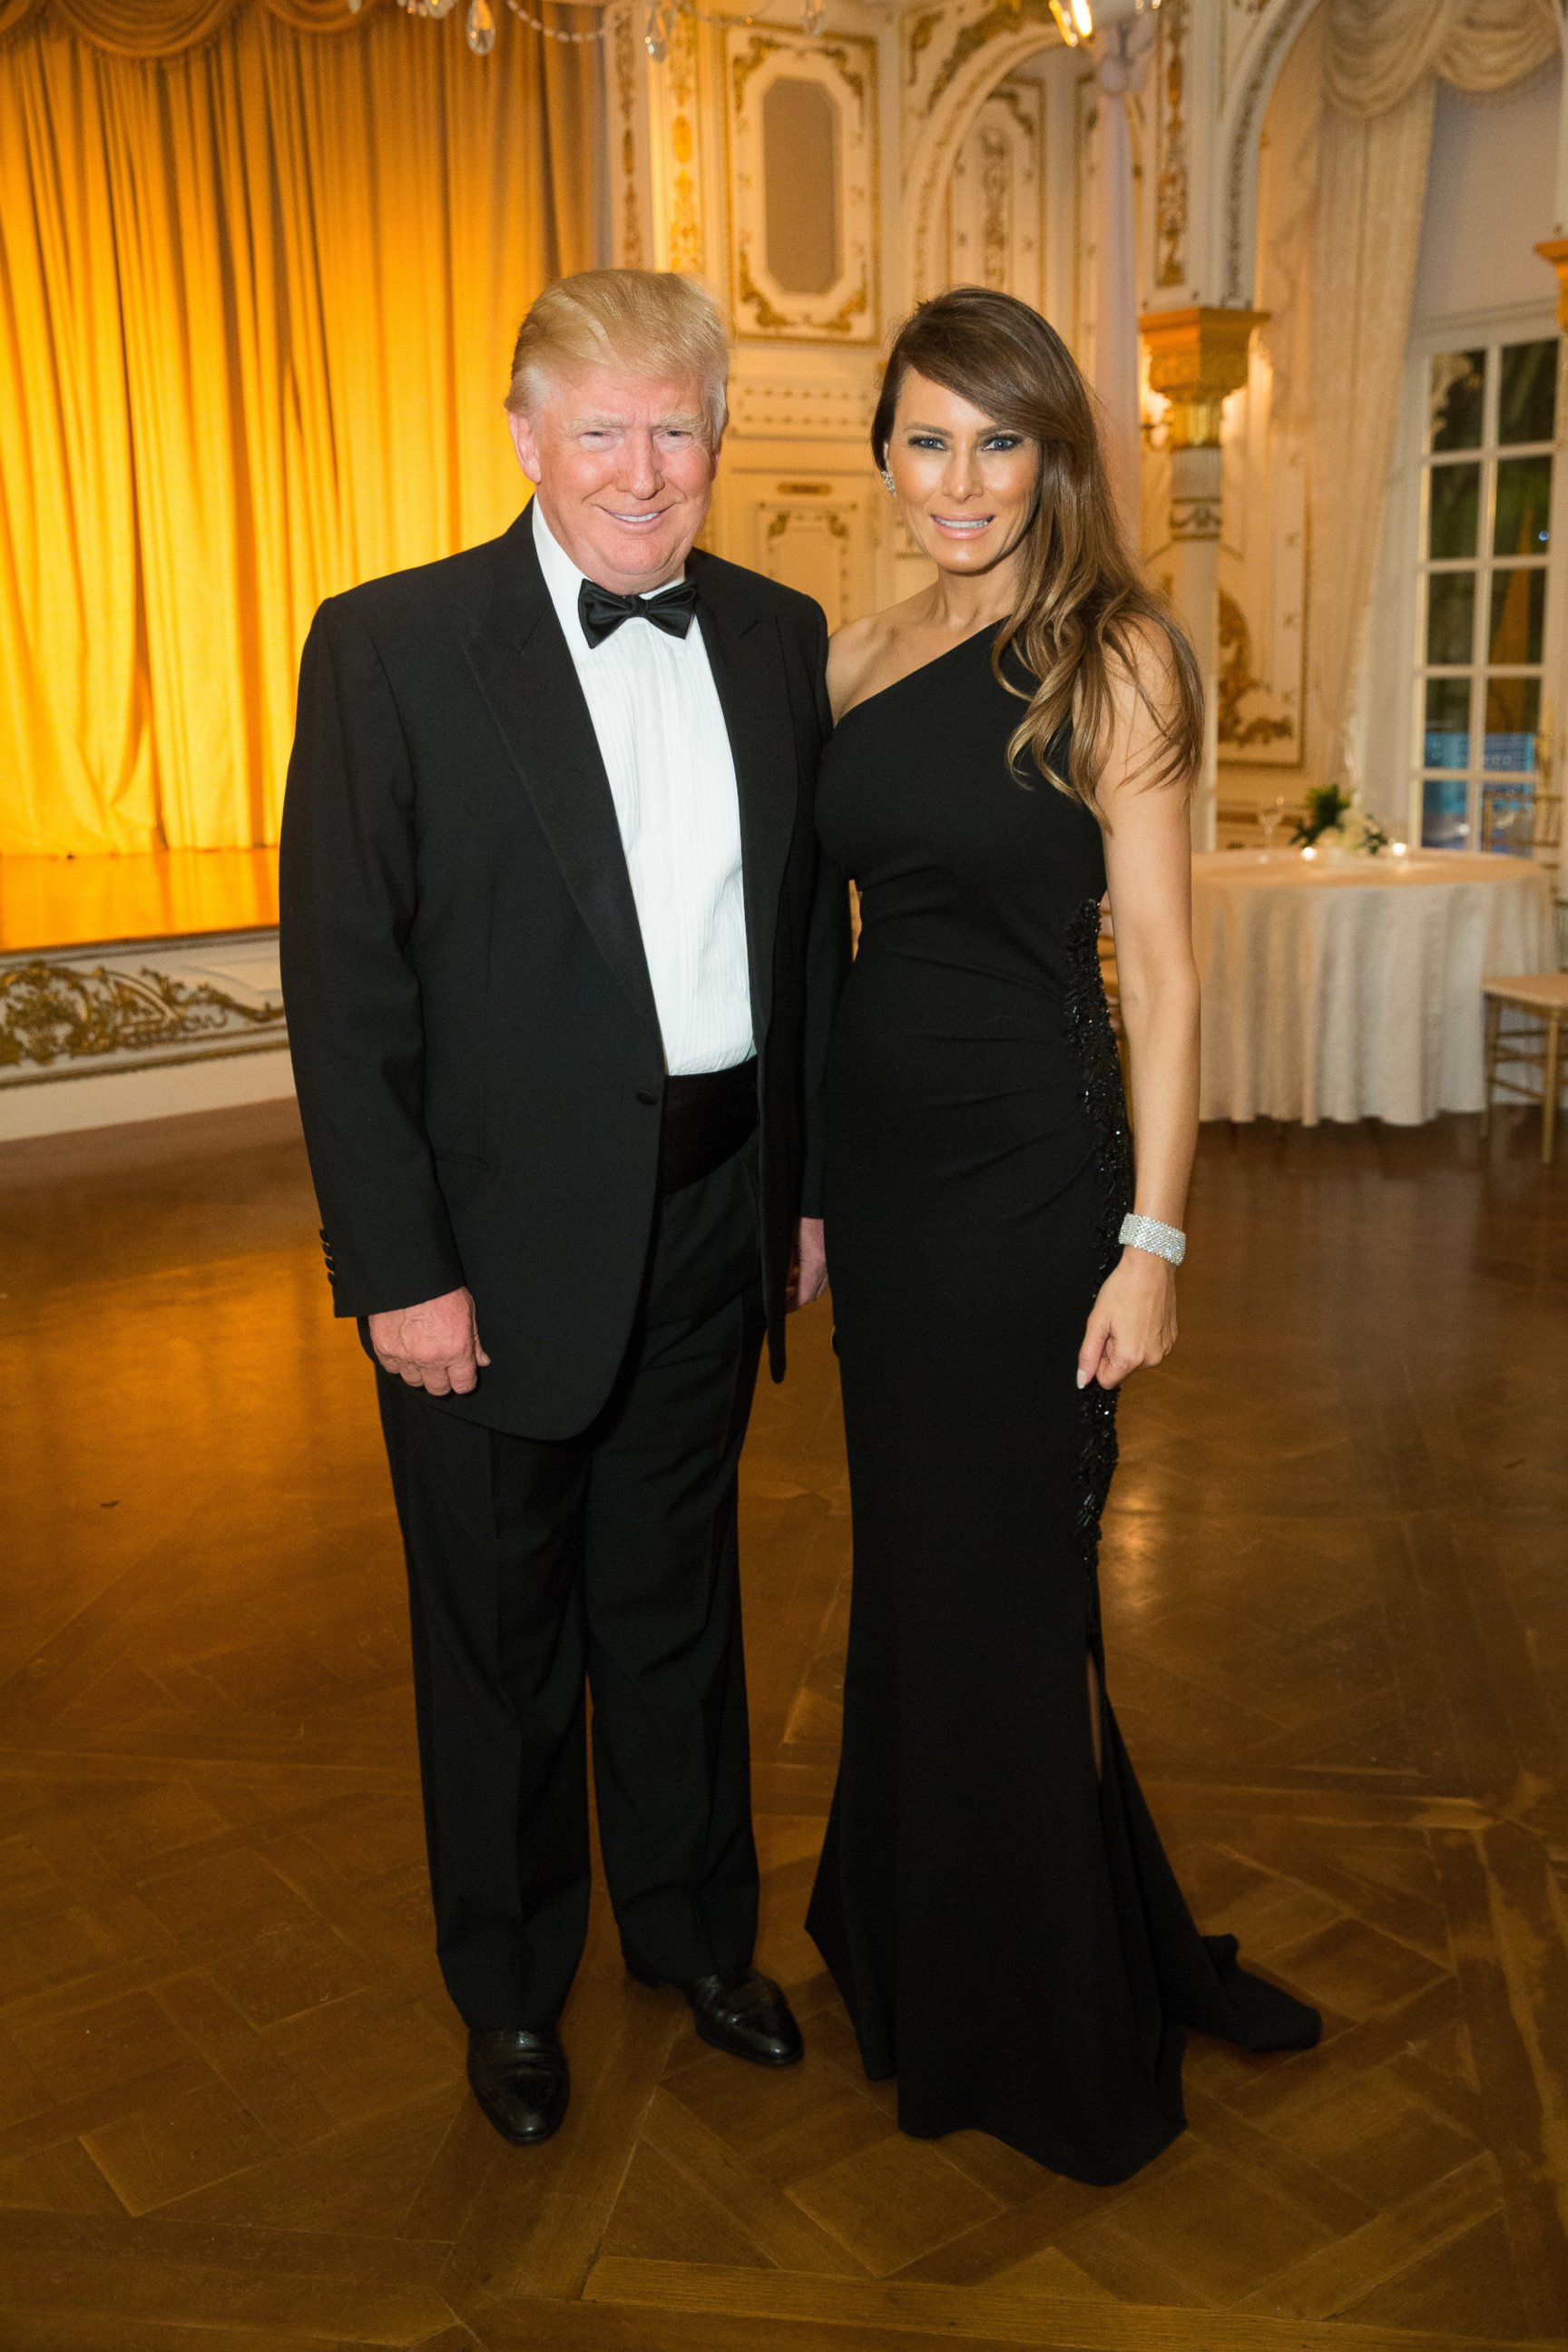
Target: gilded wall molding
{"x": 674, "y": 151}
{"x": 1237, "y": 20}
{"x": 1257, "y": 69}
{"x": 785, "y": 524}
{"x": 1003, "y": 17}
{"x": 630, "y": 252}
{"x": 1173, "y": 176}
{"x": 61, "y": 1018}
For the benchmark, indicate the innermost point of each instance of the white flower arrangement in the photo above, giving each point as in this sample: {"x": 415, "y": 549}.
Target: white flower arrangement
{"x": 1337, "y": 823}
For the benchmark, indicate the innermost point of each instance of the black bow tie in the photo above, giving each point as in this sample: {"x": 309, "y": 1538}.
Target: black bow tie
{"x": 601, "y": 611}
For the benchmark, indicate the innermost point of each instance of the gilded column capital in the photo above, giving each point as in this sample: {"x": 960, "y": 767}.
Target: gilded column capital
{"x": 1195, "y": 357}
{"x": 1554, "y": 250}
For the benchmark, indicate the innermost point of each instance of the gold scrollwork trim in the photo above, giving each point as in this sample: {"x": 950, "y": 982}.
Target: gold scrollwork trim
{"x": 921, "y": 33}
{"x": 54, "y": 1012}
{"x": 780, "y": 521}
{"x": 626, "y": 91}
{"x": 1005, "y": 16}
{"x": 763, "y": 46}
{"x": 752, "y": 294}
{"x": 1171, "y": 186}
{"x": 1195, "y": 519}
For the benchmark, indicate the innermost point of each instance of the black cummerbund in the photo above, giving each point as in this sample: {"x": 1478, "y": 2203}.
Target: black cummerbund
{"x": 707, "y": 1118}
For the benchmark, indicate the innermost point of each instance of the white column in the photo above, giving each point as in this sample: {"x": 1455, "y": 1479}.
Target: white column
{"x": 1121, "y": 63}
{"x": 1196, "y": 356}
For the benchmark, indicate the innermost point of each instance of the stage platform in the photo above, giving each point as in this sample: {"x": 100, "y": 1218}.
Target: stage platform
{"x": 134, "y": 988}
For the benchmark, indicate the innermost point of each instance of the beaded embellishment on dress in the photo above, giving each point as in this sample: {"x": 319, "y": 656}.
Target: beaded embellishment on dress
{"x": 1087, "y": 1018}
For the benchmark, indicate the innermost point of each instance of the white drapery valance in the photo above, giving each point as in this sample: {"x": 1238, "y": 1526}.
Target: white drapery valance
{"x": 1376, "y": 52}
{"x": 1381, "y": 62}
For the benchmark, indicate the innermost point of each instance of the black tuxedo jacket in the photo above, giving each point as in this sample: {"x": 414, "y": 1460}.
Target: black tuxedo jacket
{"x": 474, "y": 1043}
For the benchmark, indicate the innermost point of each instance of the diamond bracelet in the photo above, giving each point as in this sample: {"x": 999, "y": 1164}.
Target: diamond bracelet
{"x": 1149, "y": 1234}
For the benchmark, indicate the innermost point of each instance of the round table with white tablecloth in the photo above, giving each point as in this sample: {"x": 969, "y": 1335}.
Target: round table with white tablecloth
{"x": 1351, "y": 988}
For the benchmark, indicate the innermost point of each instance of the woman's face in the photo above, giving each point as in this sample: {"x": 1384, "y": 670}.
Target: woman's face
{"x": 967, "y": 484}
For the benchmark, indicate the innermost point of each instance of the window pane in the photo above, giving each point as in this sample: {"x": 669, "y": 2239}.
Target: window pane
{"x": 1507, "y": 815}
{"x": 1451, "y": 618}
{"x": 1513, "y": 715}
{"x": 1453, "y": 494}
{"x": 1524, "y": 506}
{"x": 1444, "y": 824}
{"x": 1447, "y": 723}
{"x": 1527, "y": 401}
{"x": 1458, "y": 389}
{"x": 1519, "y": 612}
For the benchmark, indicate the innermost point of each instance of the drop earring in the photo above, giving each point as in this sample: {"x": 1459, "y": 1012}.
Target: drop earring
{"x": 888, "y": 482}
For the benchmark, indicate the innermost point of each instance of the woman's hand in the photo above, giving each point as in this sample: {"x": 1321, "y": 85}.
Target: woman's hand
{"x": 1131, "y": 1323}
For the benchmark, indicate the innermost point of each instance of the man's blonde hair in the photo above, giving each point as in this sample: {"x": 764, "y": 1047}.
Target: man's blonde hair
{"x": 653, "y": 322}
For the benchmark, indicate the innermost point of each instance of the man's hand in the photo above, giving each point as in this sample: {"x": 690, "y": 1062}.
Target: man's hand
{"x": 434, "y": 1346}
{"x": 808, "y": 1274}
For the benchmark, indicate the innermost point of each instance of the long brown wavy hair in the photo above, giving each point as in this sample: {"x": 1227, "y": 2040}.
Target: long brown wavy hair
{"x": 1084, "y": 601}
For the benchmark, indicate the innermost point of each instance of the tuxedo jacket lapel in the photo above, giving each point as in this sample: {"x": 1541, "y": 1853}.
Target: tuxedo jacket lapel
{"x": 527, "y": 676}
{"x": 746, "y": 655}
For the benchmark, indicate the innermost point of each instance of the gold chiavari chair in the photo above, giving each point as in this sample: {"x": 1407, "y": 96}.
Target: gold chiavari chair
{"x": 1534, "y": 1044}
{"x": 1525, "y": 1011}
{"x": 1520, "y": 819}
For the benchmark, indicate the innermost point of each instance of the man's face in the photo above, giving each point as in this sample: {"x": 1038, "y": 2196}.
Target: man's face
{"x": 623, "y": 472}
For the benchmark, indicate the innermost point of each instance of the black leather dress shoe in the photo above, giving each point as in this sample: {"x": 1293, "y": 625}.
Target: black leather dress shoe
{"x": 519, "y": 2076}
{"x": 741, "y": 2012}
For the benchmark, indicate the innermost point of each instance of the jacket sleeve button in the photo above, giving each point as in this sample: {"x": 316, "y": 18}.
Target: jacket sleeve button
{"x": 646, "y": 1098}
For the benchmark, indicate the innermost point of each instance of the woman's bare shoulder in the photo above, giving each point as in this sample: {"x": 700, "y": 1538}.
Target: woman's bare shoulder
{"x": 857, "y": 650}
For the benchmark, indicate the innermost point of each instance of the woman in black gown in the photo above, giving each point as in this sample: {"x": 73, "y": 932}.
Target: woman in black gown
{"x": 993, "y": 1899}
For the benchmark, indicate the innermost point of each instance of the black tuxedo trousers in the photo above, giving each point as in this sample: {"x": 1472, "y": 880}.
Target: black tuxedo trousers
{"x": 607, "y": 1560}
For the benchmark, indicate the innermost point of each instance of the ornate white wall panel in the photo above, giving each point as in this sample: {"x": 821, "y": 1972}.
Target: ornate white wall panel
{"x": 815, "y": 533}
{"x": 845, "y": 308}
{"x": 996, "y": 199}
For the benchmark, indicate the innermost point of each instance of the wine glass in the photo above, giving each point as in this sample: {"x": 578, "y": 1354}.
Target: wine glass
{"x": 1270, "y": 816}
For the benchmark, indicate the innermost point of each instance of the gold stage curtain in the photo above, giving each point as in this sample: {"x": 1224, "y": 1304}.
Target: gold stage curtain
{"x": 257, "y": 304}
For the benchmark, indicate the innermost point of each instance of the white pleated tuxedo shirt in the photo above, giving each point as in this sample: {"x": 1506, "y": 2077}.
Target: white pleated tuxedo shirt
{"x": 665, "y": 749}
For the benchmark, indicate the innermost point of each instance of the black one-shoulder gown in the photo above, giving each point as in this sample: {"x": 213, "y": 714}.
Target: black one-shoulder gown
{"x": 1002, "y": 1922}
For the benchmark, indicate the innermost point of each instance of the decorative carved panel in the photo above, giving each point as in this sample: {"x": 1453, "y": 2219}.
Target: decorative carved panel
{"x": 995, "y": 202}
{"x": 814, "y": 533}
{"x": 1173, "y": 108}
{"x": 812, "y": 275}
{"x": 676, "y": 111}
{"x": 65, "y": 1013}
{"x": 627, "y": 102}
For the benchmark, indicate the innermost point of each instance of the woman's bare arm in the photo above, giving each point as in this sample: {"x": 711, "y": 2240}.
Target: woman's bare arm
{"x": 1148, "y": 856}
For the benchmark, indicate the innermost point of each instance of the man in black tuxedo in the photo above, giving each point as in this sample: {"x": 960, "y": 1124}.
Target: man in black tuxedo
{"x": 557, "y": 982}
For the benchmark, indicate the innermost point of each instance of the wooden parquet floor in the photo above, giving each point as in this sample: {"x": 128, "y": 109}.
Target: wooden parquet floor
{"x": 232, "y": 2117}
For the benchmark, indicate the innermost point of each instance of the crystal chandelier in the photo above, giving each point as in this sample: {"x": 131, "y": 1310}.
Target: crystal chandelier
{"x": 658, "y": 20}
